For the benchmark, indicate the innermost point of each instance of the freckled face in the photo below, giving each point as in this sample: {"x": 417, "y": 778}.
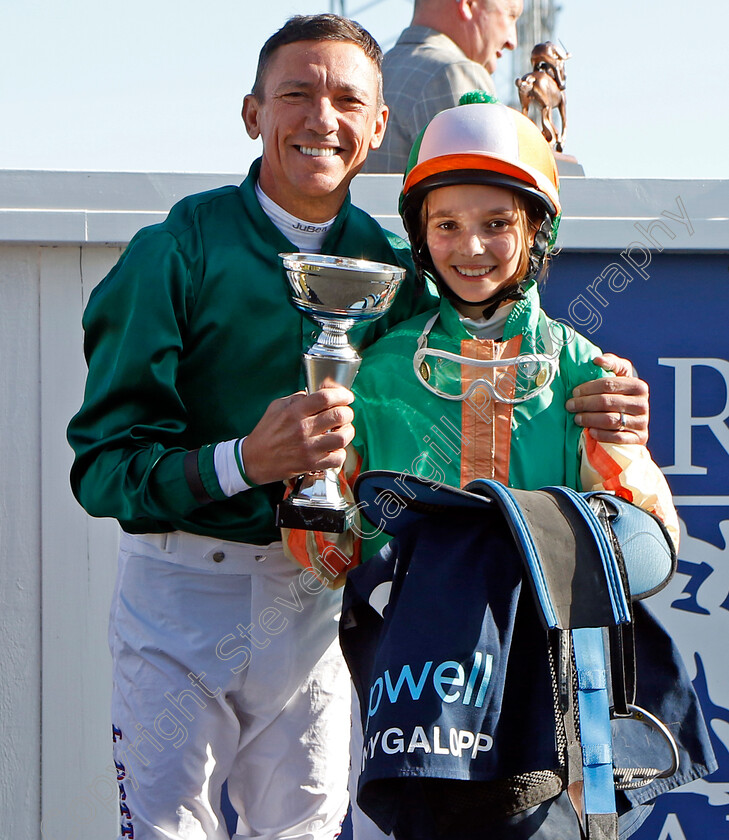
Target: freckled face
{"x": 475, "y": 240}
{"x": 318, "y": 116}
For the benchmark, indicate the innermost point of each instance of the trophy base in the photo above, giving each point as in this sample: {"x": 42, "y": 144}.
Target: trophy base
{"x": 314, "y": 517}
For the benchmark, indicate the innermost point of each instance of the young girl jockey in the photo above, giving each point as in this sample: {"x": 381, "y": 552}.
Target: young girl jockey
{"x": 477, "y": 387}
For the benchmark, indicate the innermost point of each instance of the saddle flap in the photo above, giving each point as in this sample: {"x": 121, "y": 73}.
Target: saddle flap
{"x": 572, "y": 567}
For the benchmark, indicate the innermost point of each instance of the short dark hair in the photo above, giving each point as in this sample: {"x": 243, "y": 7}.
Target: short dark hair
{"x": 325, "y": 27}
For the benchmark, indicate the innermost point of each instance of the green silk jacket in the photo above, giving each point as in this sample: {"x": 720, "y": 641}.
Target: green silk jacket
{"x": 188, "y": 340}
{"x": 402, "y": 426}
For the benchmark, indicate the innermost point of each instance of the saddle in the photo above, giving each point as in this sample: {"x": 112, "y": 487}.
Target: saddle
{"x": 492, "y": 642}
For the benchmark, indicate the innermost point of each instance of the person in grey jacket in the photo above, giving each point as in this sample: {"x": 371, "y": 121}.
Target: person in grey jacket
{"x": 451, "y": 47}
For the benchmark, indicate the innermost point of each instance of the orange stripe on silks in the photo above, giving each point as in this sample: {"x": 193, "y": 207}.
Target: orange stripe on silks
{"x": 485, "y": 421}
{"x": 617, "y": 488}
{"x": 606, "y": 466}
{"x": 296, "y": 542}
{"x": 603, "y": 463}
{"x": 505, "y": 412}
{"x": 477, "y": 414}
{"x": 319, "y": 541}
{"x": 331, "y": 562}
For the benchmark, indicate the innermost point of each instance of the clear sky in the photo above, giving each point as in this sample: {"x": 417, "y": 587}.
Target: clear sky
{"x": 156, "y": 85}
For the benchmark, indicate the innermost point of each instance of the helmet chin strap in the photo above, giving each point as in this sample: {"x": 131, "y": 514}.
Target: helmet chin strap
{"x": 490, "y": 304}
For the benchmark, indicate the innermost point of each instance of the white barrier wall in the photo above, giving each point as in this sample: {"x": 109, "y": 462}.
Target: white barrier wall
{"x": 60, "y": 232}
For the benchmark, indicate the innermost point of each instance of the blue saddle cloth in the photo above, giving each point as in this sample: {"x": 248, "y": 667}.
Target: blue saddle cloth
{"x": 450, "y": 662}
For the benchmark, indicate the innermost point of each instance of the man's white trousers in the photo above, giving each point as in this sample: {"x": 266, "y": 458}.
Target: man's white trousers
{"x": 226, "y": 667}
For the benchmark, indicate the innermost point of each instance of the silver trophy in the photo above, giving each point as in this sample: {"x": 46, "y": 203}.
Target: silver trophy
{"x": 336, "y": 292}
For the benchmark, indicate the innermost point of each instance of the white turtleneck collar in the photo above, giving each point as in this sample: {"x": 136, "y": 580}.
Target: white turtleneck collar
{"x": 491, "y": 328}
{"x": 307, "y": 236}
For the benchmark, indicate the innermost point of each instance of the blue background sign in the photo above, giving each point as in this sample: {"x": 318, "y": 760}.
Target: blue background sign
{"x": 671, "y": 321}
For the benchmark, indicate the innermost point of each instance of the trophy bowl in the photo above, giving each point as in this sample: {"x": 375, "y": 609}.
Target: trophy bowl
{"x": 337, "y": 293}
{"x": 341, "y": 288}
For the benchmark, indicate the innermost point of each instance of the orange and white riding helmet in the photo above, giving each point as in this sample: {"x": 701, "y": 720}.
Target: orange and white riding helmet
{"x": 481, "y": 141}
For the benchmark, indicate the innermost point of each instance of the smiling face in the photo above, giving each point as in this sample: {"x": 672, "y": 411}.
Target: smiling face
{"x": 476, "y": 235}
{"x": 318, "y": 115}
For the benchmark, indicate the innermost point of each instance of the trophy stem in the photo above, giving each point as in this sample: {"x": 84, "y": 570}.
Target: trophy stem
{"x": 334, "y": 334}
{"x": 332, "y": 360}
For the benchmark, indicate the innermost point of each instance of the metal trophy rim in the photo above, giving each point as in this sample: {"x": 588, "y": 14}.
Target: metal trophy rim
{"x": 348, "y": 263}
{"x": 368, "y": 272}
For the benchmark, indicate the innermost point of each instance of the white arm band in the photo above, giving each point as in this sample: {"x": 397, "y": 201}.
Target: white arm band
{"x": 229, "y": 467}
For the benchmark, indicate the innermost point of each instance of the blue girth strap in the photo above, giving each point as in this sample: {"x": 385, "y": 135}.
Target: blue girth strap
{"x": 600, "y": 816}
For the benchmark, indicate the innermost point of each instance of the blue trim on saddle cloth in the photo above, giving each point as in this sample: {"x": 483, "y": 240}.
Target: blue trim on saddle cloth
{"x": 531, "y": 556}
